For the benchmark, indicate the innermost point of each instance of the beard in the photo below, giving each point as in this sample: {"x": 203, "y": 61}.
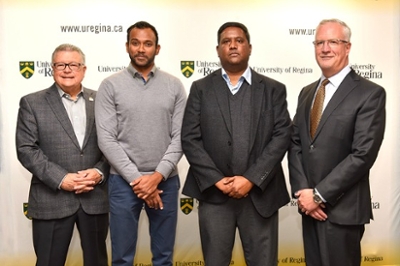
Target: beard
{"x": 142, "y": 63}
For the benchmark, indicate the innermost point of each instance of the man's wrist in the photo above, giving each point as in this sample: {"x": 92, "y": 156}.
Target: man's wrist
{"x": 317, "y": 197}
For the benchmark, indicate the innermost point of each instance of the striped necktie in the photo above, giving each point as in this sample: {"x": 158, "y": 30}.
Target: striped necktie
{"x": 316, "y": 110}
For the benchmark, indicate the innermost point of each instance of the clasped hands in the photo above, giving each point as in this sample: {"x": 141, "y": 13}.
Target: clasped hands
{"x": 235, "y": 186}
{"x": 82, "y": 181}
{"x": 305, "y": 202}
{"x": 145, "y": 188}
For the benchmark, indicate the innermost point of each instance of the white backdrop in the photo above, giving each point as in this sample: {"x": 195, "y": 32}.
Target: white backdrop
{"x": 281, "y": 34}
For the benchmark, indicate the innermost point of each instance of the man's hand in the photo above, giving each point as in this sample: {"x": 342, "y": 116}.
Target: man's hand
{"x": 235, "y": 186}
{"x": 241, "y": 187}
{"x": 305, "y": 201}
{"x": 146, "y": 185}
{"x": 154, "y": 200}
{"x": 81, "y": 182}
{"x": 225, "y": 184}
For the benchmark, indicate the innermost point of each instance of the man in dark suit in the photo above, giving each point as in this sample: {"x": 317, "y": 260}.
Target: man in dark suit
{"x": 235, "y": 132}
{"x": 56, "y": 141}
{"x": 330, "y": 156}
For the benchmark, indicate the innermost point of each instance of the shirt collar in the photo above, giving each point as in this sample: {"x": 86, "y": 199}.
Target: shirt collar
{"x": 246, "y": 75}
{"x": 337, "y": 79}
{"x": 62, "y": 93}
{"x": 135, "y": 73}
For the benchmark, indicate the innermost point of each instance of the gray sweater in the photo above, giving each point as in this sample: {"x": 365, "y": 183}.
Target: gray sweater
{"x": 139, "y": 124}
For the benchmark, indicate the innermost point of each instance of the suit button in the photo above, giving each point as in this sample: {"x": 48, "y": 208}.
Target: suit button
{"x": 229, "y": 143}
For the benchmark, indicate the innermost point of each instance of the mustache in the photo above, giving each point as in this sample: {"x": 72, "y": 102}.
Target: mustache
{"x": 140, "y": 54}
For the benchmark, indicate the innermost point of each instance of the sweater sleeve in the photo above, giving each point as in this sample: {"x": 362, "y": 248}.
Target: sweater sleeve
{"x": 107, "y": 132}
{"x": 174, "y": 151}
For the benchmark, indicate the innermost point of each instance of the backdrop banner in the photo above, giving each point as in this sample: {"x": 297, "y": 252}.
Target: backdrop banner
{"x": 281, "y": 32}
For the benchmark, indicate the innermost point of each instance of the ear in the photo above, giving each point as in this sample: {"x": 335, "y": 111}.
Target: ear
{"x": 158, "y": 49}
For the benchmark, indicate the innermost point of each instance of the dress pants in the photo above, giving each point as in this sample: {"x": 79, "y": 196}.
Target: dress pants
{"x": 51, "y": 239}
{"x": 218, "y": 223}
{"x": 125, "y": 210}
{"x": 329, "y": 244}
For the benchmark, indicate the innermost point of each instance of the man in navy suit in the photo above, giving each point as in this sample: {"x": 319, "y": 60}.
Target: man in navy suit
{"x": 56, "y": 141}
{"x": 329, "y": 164}
{"x": 235, "y": 132}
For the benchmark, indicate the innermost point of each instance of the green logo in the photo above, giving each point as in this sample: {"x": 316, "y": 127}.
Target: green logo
{"x": 27, "y": 68}
{"x": 25, "y": 208}
{"x": 186, "y": 205}
{"x": 187, "y": 68}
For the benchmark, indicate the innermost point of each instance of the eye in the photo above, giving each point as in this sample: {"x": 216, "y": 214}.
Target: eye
{"x": 333, "y": 42}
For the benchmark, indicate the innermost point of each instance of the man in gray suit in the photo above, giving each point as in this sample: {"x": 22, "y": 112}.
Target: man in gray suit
{"x": 330, "y": 157}
{"x": 56, "y": 141}
{"x": 235, "y": 132}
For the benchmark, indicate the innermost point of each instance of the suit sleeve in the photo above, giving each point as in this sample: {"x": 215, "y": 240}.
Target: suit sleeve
{"x": 369, "y": 126}
{"x": 264, "y": 169}
{"x": 29, "y": 152}
{"x": 202, "y": 166}
{"x": 298, "y": 179}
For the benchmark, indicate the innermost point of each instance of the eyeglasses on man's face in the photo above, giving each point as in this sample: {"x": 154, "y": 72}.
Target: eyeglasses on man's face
{"x": 72, "y": 66}
{"x": 331, "y": 42}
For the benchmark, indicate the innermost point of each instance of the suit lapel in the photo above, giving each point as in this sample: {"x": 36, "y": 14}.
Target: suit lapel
{"x": 54, "y": 100}
{"x": 257, "y": 98}
{"x": 88, "y": 96}
{"x": 222, "y": 96}
{"x": 348, "y": 84}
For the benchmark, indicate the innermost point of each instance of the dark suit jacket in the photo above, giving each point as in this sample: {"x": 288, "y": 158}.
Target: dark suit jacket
{"x": 207, "y": 138}
{"x": 346, "y": 144}
{"x": 47, "y": 146}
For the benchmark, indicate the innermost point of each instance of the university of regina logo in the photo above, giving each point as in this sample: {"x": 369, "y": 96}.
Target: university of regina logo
{"x": 25, "y": 208}
{"x": 187, "y": 68}
{"x": 26, "y": 68}
{"x": 186, "y": 205}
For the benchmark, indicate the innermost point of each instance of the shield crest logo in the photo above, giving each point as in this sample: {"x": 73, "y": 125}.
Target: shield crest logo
{"x": 26, "y": 68}
{"x": 25, "y": 208}
{"x": 186, "y": 205}
{"x": 187, "y": 68}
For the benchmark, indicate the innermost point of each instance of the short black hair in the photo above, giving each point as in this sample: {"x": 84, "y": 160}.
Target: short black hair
{"x": 142, "y": 25}
{"x": 236, "y": 25}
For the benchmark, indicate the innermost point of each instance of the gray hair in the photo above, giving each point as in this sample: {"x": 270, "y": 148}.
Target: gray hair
{"x": 70, "y": 48}
{"x": 346, "y": 29}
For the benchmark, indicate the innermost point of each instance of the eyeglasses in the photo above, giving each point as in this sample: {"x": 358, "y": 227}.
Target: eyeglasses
{"x": 72, "y": 66}
{"x": 332, "y": 43}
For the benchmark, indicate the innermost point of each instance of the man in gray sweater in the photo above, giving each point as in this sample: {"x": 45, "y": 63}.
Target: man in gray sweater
{"x": 139, "y": 116}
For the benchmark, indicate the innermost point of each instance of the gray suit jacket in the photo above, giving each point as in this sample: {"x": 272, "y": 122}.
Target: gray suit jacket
{"x": 337, "y": 162}
{"x": 207, "y": 138}
{"x": 47, "y": 147}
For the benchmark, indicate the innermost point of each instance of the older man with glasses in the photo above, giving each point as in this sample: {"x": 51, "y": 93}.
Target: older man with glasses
{"x": 57, "y": 142}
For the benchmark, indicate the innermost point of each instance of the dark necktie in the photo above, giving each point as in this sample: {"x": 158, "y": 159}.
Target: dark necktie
{"x": 316, "y": 110}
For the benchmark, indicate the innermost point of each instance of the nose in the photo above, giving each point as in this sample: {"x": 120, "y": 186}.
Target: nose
{"x": 325, "y": 47}
{"x": 141, "y": 47}
{"x": 233, "y": 44}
